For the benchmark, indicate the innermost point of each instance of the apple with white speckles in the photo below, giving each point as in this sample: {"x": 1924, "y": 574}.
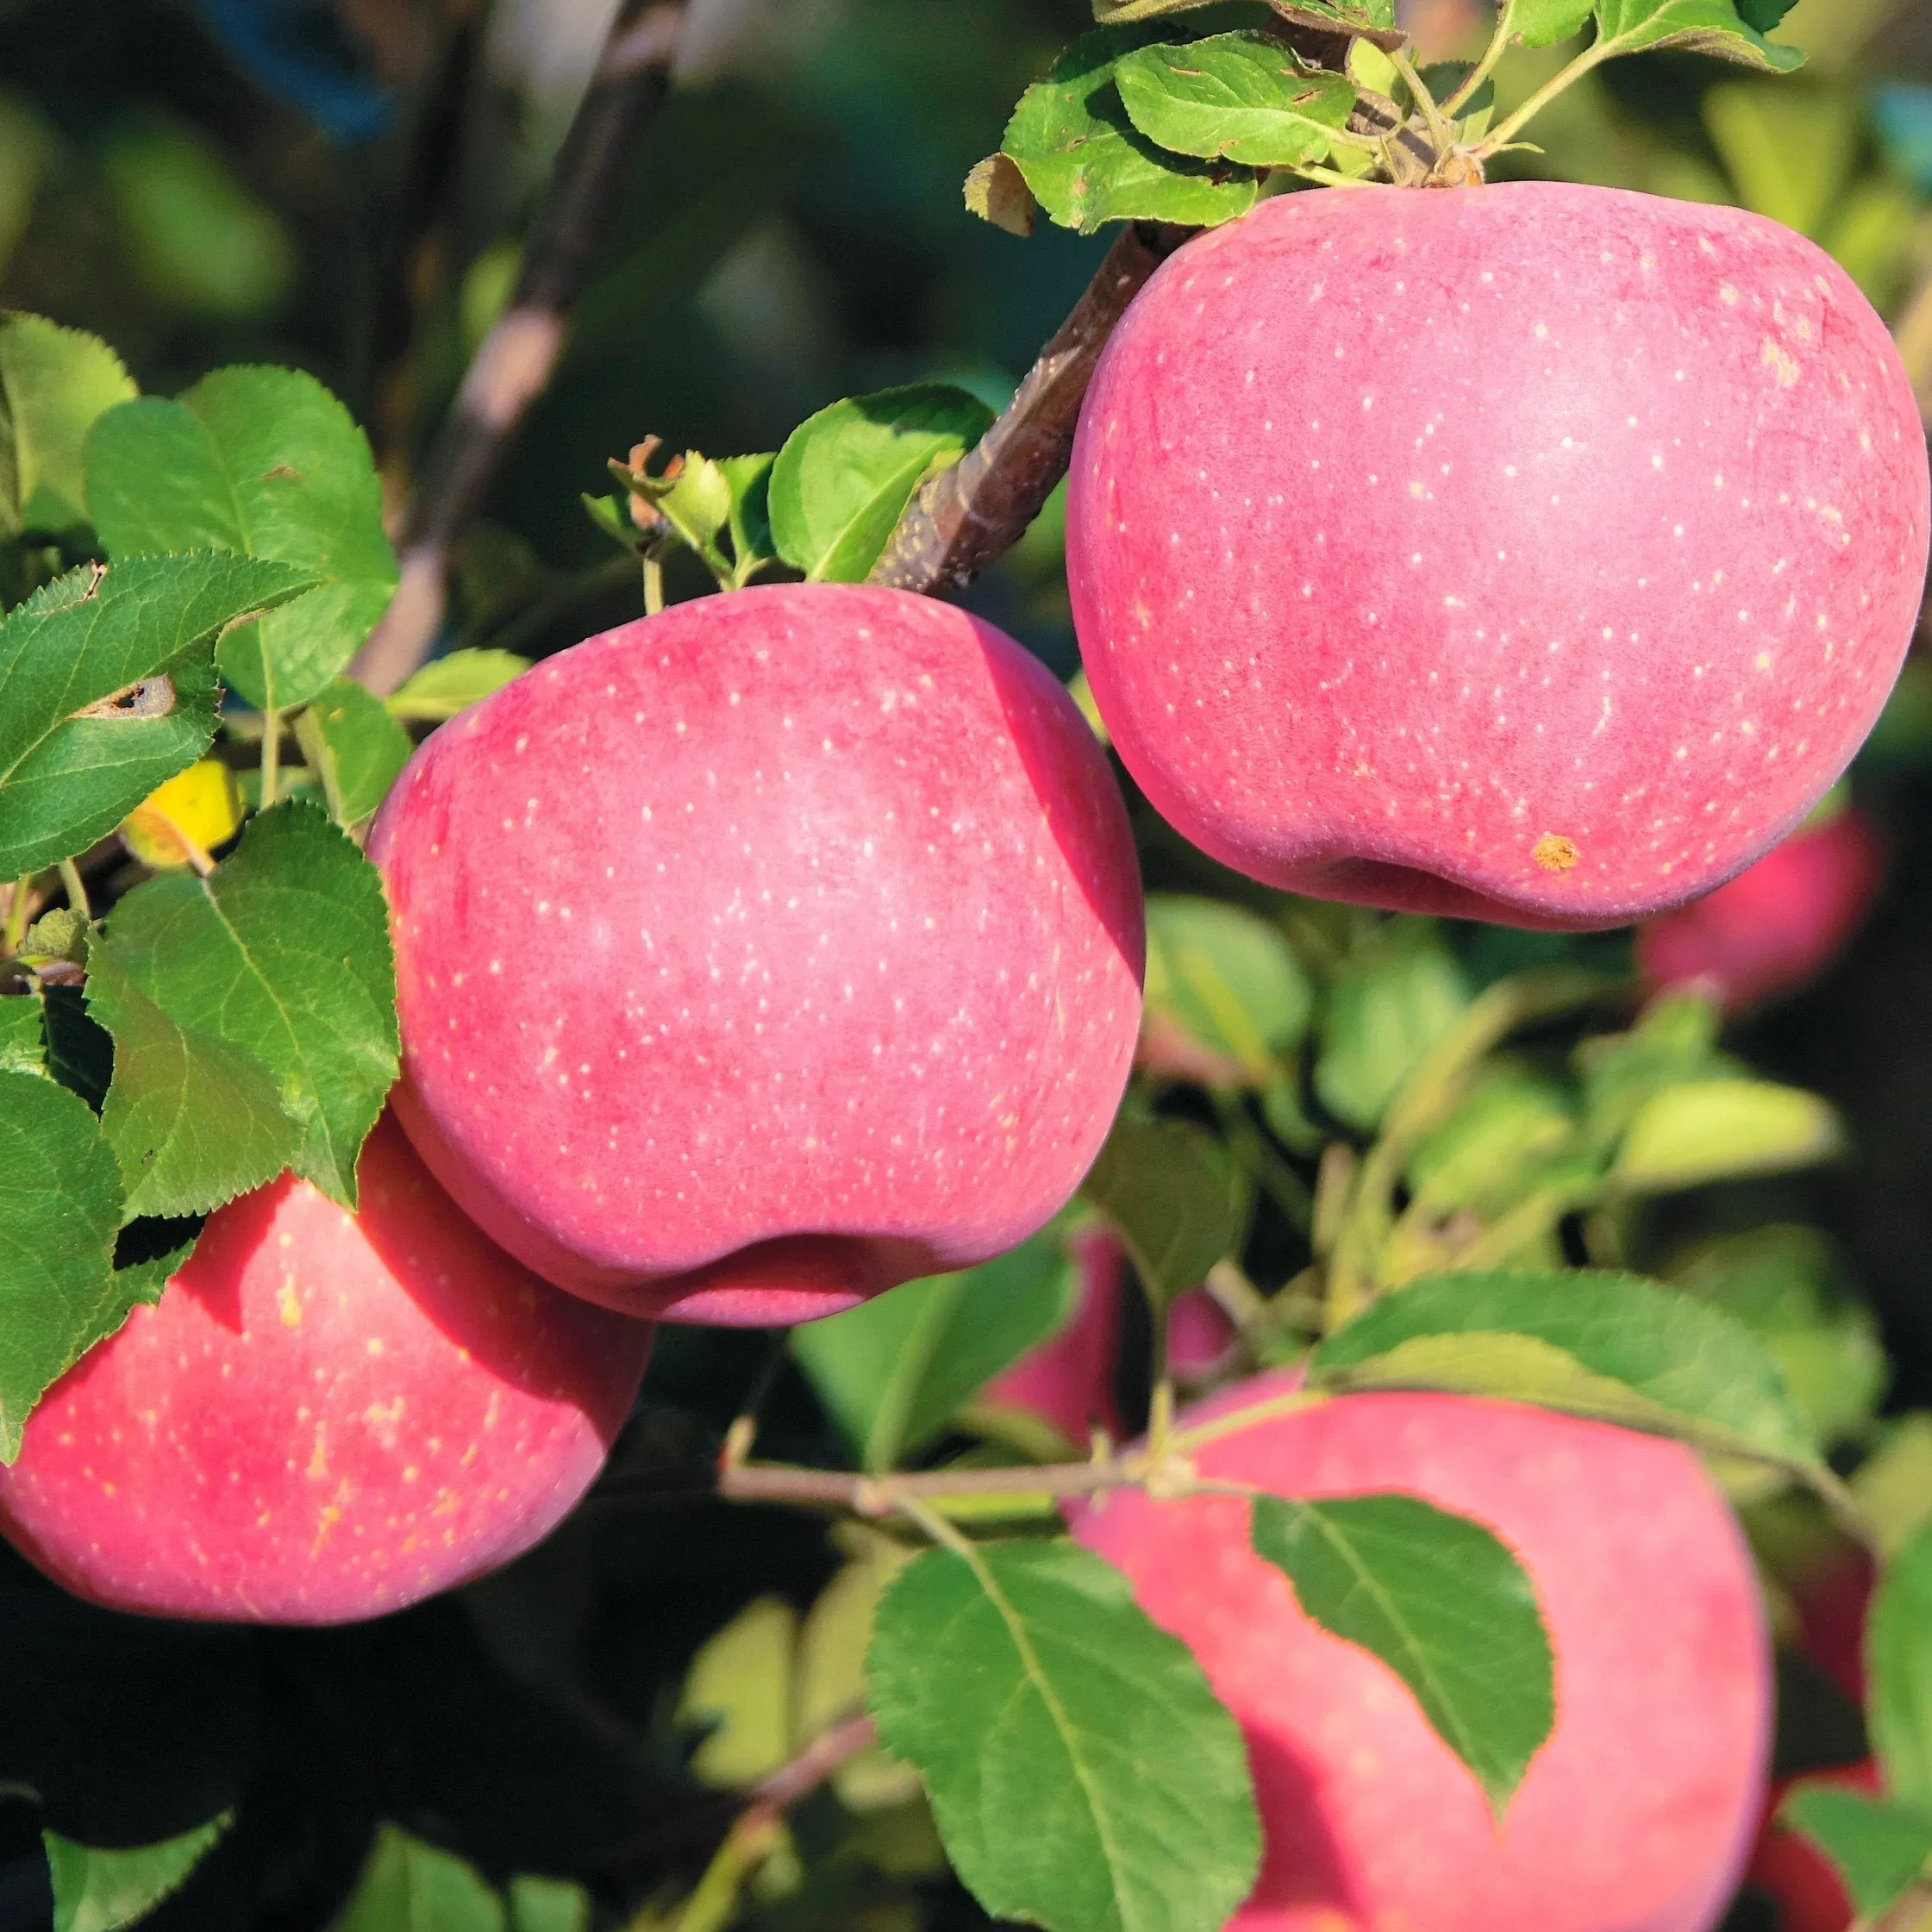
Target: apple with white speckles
{"x": 1539, "y": 554}
{"x": 326, "y": 1417}
{"x": 764, "y": 954}
{"x": 1638, "y": 1813}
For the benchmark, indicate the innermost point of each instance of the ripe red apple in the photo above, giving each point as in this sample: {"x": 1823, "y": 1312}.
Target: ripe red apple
{"x": 1539, "y": 554}
{"x": 326, "y": 1417}
{"x": 1638, "y": 1813}
{"x": 762, "y": 954}
{"x": 1777, "y": 924}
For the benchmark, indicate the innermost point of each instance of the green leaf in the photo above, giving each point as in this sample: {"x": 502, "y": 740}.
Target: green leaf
{"x": 893, "y": 1370}
{"x": 99, "y": 1890}
{"x": 1544, "y": 22}
{"x": 1792, "y": 151}
{"x": 749, "y": 479}
{"x": 845, "y": 476}
{"x": 1879, "y": 1846}
{"x": 355, "y": 747}
{"x": 1379, "y": 1018}
{"x": 1082, "y": 1773}
{"x": 1764, "y": 15}
{"x": 449, "y": 685}
{"x": 60, "y": 1206}
{"x": 738, "y": 1693}
{"x": 1086, "y": 162}
{"x": 139, "y": 1285}
{"x": 192, "y": 1120}
{"x": 259, "y": 463}
{"x": 283, "y": 951}
{"x": 1489, "y": 1153}
{"x": 22, "y": 1047}
{"x": 410, "y": 1886}
{"x": 1228, "y": 983}
{"x": 692, "y": 496}
{"x": 1713, "y": 26}
{"x": 1373, "y": 19}
{"x": 1442, "y": 1602}
{"x": 1898, "y": 1667}
{"x": 54, "y": 382}
{"x": 1243, "y": 97}
{"x": 1614, "y": 1347}
{"x": 1168, "y": 1188}
{"x": 107, "y": 690}
{"x": 1709, "y": 1130}
{"x": 547, "y": 1905}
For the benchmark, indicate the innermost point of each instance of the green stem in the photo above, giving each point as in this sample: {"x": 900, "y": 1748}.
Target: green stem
{"x": 271, "y": 753}
{"x": 1587, "y": 61}
{"x": 77, "y": 890}
{"x": 1333, "y": 178}
{"x": 1440, "y": 130}
{"x": 16, "y": 911}
{"x": 653, "y": 584}
{"x": 1506, "y": 26}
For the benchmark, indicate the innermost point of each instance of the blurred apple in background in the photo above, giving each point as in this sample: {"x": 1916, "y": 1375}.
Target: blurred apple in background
{"x": 1778, "y": 924}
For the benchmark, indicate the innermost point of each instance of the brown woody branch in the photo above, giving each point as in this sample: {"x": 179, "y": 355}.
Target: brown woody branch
{"x": 515, "y": 362}
{"x": 970, "y": 516}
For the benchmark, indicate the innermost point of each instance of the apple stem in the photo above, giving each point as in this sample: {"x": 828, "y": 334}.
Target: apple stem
{"x": 1499, "y": 42}
{"x": 1440, "y": 129}
{"x": 18, "y": 907}
{"x": 653, "y": 584}
{"x": 1333, "y": 177}
{"x": 77, "y": 890}
{"x": 1591, "y": 58}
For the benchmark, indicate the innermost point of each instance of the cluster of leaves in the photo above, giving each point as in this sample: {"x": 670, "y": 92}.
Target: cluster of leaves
{"x": 1129, "y": 126}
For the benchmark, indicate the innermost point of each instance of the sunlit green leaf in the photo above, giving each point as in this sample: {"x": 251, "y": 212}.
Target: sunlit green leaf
{"x": 1227, "y": 987}
{"x": 1243, "y": 97}
{"x": 1713, "y": 26}
{"x": 355, "y": 747}
{"x": 449, "y": 685}
{"x": 845, "y": 476}
{"x": 1438, "y": 1598}
{"x": 1167, "y": 1186}
{"x": 54, "y": 382}
{"x": 1083, "y": 1777}
{"x": 1379, "y": 1018}
{"x": 283, "y": 951}
{"x": 260, "y": 463}
{"x": 96, "y": 1890}
{"x": 1544, "y": 22}
{"x": 1898, "y": 1669}
{"x": 1879, "y": 1846}
{"x": 1709, "y": 1130}
{"x": 1614, "y": 1347}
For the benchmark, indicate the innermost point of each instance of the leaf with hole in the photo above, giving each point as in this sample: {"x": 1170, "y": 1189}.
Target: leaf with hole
{"x": 1241, "y": 97}
{"x": 192, "y": 1120}
{"x": 1614, "y": 1347}
{"x": 60, "y": 1207}
{"x": 355, "y": 747}
{"x": 55, "y": 383}
{"x": 1086, "y": 162}
{"x": 107, "y": 688}
{"x": 282, "y": 951}
{"x": 1713, "y": 26}
{"x": 845, "y": 476}
{"x": 1169, "y": 1188}
{"x": 1083, "y": 1775}
{"x": 892, "y": 1371}
{"x": 259, "y": 463}
{"x": 1440, "y": 1600}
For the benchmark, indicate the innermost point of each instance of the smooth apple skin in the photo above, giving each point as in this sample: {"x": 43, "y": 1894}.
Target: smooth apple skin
{"x": 764, "y": 954}
{"x": 1778, "y": 924}
{"x": 325, "y": 1417}
{"x": 1539, "y": 554}
{"x": 1639, "y": 1812}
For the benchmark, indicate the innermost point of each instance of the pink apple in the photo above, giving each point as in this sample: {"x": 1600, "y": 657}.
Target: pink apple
{"x": 1777, "y": 924}
{"x": 759, "y": 955}
{"x": 326, "y": 1417}
{"x": 1638, "y": 1813}
{"x": 1539, "y": 554}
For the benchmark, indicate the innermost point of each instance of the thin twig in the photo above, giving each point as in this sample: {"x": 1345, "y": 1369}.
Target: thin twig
{"x": 886, "y": 1495}
{"x": 972, "y": 514}
{"x": 513, "y": 363}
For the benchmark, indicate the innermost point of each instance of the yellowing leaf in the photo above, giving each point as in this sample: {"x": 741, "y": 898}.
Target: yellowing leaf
{"x": 193, "y": 812}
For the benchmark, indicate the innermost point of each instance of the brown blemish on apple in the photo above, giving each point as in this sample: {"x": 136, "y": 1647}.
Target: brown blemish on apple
{"x": 1555, "y": 854}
